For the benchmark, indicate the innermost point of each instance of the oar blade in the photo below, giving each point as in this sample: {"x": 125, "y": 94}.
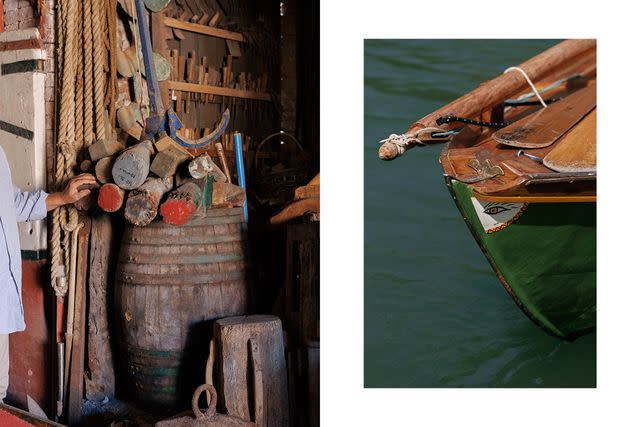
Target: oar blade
{"x": 576, "y": 150}
{"x": 544, "y": 127}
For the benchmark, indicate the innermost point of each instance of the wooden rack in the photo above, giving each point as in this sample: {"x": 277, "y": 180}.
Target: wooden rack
{"x": 203, "y": 29}
{"x": 217, "y": 90}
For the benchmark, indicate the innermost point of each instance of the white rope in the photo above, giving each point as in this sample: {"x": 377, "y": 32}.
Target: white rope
{"x": 402, "y": 141}
{"x": 528, "y": 81}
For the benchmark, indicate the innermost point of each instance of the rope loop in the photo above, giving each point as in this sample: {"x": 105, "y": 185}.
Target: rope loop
{"x": 528, "y": 81}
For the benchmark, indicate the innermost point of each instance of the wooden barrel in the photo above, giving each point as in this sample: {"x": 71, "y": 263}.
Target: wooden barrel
{"x": 171, "y": 284}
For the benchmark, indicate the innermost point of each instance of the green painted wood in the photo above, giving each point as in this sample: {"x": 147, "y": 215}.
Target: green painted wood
{"x": 546, "y": 260}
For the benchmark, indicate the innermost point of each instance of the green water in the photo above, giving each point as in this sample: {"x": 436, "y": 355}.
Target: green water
{"x": 435, "y": 314}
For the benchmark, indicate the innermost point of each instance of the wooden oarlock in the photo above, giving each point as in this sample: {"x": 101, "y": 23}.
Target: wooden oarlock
{"x": 491, "y": 93}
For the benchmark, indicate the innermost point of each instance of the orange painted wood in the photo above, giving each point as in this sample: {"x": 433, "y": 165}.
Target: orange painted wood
{"x": 576, "y": 150}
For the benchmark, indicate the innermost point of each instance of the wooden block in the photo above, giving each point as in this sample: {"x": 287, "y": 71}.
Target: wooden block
{"x": 181, "y": 204}
{"x": 306, "y": 192}
{"x": 103, "y": 169}
{"x": 142, "y": 203}
{"x": 131, "y": 167}
{"x": 297, "y": 209}
{"x": 111, "y": 197}
{"x": 104, "y": 148}
{"x": 233, "y": 46}
{"x": 166, "y": 162}
{"x": 214, "y": 19}
{"x": 227, "y": 195}
{"x": 203, "y": 166}
{"x": 252, "y": 347}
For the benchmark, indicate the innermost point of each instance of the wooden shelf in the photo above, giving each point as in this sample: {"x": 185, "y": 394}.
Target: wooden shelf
{"x": 217, "y": 90}
{"x": 203, "y": 29}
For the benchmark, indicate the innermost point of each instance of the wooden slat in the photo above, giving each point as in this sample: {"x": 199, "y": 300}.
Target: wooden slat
{"x": 576, "y": 150}
{"x": 544, "y": 127}
{"x": 216, "y": 90}
{"x": 203, "y": 29}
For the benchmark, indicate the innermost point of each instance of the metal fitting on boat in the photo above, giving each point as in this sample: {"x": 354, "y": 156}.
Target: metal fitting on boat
{"x": 531, "y": 156}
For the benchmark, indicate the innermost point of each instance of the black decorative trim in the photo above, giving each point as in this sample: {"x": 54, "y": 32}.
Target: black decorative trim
{"x": 25, "y": 66}
{"x": 16, "y": 130}
{"x": 36, "y": 255}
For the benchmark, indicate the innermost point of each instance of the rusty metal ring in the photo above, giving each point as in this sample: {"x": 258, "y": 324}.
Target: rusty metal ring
{"x": 211, "y": 410}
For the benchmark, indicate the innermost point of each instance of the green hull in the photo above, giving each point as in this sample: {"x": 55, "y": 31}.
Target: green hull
{"x": 545, "y": 258}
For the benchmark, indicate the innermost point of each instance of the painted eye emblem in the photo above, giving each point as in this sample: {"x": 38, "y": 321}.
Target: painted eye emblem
{"x": 494, "y": 210}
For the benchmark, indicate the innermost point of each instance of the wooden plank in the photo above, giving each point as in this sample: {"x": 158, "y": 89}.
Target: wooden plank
{"x": 203, "y": 29}
{"x": 576, "y": 150}
{"x": 544, "y": 127}
{"x": 216, "y": 90}
{"x": 76, "y": 375}
{"x": 100, "y": 380}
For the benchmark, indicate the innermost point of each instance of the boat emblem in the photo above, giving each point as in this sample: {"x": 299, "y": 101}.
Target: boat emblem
{"x": 484, "y": 170}
{"x": 494, "y": 216}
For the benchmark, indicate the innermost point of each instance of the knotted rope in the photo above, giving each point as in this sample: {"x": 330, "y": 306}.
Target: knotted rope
{"x": 402, "y": 141}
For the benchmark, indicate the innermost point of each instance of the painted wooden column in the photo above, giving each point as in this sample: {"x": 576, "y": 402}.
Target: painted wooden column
{"x": 22, "y": 123}
{"x": 22, "y": 137}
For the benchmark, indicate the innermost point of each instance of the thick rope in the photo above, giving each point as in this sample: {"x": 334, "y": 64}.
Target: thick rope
{"x": 99, "y": 61}
{"x": 66, "y": 135}
{"x": 88, "y": 73}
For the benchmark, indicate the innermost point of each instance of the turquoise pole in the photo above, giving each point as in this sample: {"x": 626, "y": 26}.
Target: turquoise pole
{"x": 237, "y": 143}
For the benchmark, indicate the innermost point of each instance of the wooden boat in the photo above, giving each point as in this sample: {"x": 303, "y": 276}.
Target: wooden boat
{"x": 523, "y": 176}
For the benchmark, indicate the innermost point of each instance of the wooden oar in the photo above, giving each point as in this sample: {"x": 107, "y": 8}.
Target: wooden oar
{"x": 495, "y": 91}
{"x": 576, "y": 150}
{"x": 544, "y": 127}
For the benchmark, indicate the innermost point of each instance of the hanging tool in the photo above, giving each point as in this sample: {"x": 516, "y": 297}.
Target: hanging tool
{"x": 160, "y": 119}
{"x": 237, "y": 142}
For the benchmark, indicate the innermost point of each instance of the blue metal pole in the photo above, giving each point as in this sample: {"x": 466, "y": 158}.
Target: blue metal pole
{"x": 237, "y": 143}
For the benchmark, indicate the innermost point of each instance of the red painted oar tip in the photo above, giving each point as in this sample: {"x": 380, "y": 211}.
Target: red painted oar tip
{"x": 177, "y": 211}
{"x": 111, "y": 197}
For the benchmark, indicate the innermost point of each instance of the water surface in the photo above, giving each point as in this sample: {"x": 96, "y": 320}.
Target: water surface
{"x": 435, "y": 313}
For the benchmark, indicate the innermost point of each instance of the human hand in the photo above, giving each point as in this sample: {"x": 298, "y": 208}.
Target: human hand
{"x": 78, "y": 187}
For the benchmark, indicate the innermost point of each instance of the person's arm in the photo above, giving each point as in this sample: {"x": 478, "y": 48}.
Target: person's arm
{"x": 72, "y": 193}
{"x": 32, "y": 206}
